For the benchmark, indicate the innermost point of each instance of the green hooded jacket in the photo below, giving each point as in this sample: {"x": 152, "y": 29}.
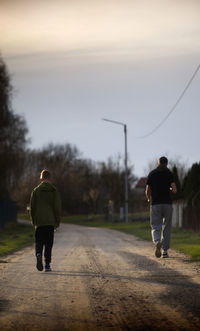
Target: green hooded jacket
{"x": 45, "y": 205}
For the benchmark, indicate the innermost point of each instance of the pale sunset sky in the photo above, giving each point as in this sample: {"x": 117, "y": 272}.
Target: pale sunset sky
{"x": 74, "y": 62}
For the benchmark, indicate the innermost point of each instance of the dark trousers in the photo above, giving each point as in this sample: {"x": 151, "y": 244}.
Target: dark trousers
{"x": 44, "y": 236}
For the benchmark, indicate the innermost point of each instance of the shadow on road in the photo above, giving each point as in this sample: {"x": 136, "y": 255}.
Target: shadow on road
{"x": 4, "y": 304}
{"x": 181, "y": 289}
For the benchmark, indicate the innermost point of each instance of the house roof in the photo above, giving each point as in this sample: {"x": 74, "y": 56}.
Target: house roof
{"x": 141, "y": 182}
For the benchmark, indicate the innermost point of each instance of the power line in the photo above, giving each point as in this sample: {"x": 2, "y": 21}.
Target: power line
{"x": 174, "y": 107}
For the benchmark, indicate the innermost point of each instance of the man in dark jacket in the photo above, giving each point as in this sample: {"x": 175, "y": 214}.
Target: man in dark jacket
{"x": 45, "y": 210}
{"x": 160, "y": 182}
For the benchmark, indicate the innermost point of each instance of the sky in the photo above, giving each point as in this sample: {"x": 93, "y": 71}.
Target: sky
{"x": 74, "y": 62}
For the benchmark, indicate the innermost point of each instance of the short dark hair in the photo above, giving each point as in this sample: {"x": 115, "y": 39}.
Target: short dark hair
{"x": 163, "y": 160}
{"x": 45, "y": 175}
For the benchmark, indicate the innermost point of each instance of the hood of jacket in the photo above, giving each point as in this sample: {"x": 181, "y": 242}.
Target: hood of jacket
{"x": 46, "y": 186}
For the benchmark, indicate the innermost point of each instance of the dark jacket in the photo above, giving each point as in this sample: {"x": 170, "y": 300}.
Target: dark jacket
{"x": 45, "y": 205}
{"x": 160, "y": 180}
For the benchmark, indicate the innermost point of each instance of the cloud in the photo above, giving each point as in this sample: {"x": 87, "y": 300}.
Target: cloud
{"x": 100, "y": 28}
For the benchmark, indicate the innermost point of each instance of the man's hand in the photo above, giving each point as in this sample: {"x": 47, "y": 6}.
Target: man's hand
{"x": 56, "y": 225}
{"x": 173, "y": 188}
{"x": 148, "y": 193}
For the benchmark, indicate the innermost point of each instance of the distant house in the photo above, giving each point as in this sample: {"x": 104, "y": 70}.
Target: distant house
{"x": 139, "y": 201}
{"x": 141, "y": 185}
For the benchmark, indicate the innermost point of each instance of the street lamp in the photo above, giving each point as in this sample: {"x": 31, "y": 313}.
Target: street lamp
{"x": 125, "y": 163}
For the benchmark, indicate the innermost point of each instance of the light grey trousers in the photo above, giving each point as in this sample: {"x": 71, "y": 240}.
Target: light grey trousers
{"x": 161, "y": 221}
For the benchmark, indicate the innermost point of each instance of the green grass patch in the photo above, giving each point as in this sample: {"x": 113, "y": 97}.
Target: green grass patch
{"x": 186, "y": 241}
{"x": 15, "y": 237}
{"x": 23, "y": 216}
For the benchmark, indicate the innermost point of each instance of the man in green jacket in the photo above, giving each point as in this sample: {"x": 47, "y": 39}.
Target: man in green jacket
{"x": 45, "y": 210}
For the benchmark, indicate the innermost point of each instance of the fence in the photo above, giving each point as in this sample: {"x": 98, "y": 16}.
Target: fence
{"x": 177, "y": 215}
{"x": 191, "y": 218}
{"x": 186, "y": 216}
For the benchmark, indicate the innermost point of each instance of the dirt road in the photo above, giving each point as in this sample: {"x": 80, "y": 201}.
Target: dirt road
{"x": 101, "y": 280}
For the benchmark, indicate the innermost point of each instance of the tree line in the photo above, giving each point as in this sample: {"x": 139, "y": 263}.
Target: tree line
{"x": 189, "y": 188}
{"x": 85, "y": 186}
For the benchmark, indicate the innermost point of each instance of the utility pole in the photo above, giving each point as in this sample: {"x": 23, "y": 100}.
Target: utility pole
{"x": 125, "y": 165}
{"x": 126, "y": 175}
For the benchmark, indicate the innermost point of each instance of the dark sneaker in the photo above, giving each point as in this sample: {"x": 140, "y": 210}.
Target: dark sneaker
{"x": 47, "y": 267}
{"x": 39, "y": 264}
{"x": 165, "y": 255}
{"x": 158, "y": 250}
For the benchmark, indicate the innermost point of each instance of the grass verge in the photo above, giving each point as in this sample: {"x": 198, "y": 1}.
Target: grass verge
{"x": 185, "y": 241}
{"x": 15, "y": 237}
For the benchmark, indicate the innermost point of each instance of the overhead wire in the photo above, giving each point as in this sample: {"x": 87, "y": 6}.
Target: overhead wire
{"x": 174, "y": 106}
